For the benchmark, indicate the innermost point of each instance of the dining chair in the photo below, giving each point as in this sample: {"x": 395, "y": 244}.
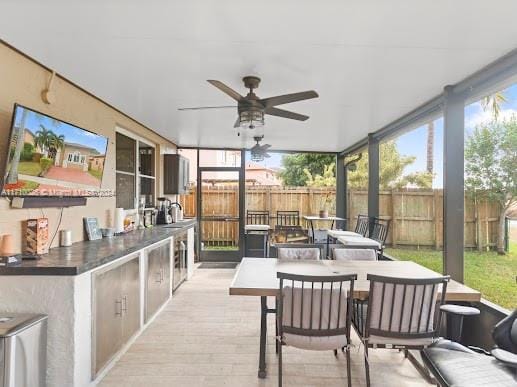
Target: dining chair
{"x": 399, "y": 314}
{"x": 376, "y": 240}
{"x": 314, "y": 313}
{"x": 257, "y": 217}
{"x": 288, "y": 218}
{"x": 299, "y": 251}
{"x": 340, "y": 254}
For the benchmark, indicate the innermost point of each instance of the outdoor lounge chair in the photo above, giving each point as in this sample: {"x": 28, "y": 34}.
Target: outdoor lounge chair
{"x": 314, "y": 313}
{"x": 453, "y": 364}
{"x": 399, "y": 314}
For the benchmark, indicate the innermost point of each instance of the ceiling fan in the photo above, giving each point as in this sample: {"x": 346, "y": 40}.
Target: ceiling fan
{"x": 259, "y": 152}
{"x": 251, "y": 108}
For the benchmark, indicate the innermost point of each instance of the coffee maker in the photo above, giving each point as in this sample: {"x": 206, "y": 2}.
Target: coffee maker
{"x": 164, "y": 215}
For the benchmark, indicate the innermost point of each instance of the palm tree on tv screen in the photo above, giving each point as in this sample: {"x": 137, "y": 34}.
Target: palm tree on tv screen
{"x": 12, "y": 176}
{"x": 55, "y": 143}
{"x": 42, "y": 139}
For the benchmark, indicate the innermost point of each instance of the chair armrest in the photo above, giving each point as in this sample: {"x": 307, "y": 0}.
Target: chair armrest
{"x": 479, "y": 350}
{"x": 506, "y": 357}
{"x": 451, "y": 345}
{"x": 459, "y": 310}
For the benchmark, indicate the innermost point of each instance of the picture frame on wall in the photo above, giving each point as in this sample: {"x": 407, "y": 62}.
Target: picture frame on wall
{"x": 91, "y": 225}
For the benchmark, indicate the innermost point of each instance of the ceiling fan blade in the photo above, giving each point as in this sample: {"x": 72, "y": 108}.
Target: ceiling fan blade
{"x": 226, "y": 89}
{"x": 237, "y": 122}
{"x": 288, "y": 98}
{"x": 285, "y": 114}
{"x": 207, "y": 107}
{"x": 265, "y": 147}
{"x": 267, "y": 155}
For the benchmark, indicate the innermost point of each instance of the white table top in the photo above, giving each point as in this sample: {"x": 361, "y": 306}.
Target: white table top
{"x": 257, "y": 276}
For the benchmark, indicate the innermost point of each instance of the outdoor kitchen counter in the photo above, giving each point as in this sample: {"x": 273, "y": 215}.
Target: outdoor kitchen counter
{"x": 88, "y": 255}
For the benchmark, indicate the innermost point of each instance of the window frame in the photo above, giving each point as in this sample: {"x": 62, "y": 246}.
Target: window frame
{"x": 137, "y": 175}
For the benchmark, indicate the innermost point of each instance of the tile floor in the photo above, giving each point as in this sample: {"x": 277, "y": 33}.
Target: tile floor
{"x": 205, "y": 337}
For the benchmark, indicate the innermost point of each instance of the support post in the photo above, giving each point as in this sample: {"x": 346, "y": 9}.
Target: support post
{"x": 453, "y": 183}
{"x": 373, "y": 176}
{"x": 340, "y": 187}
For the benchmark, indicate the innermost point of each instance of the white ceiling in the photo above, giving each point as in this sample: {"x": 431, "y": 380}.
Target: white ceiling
{"x": 370, "y": 60}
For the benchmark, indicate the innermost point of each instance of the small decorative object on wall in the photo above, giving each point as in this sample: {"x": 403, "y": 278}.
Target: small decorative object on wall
{"x": 91, "y": 225}
{"x": 6, "y": 245}
{"x": 36, "y": 236}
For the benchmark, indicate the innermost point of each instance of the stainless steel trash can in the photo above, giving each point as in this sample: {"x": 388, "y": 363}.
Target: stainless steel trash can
{"x": 256, "y": 240}
{"x": 23, "y": 350}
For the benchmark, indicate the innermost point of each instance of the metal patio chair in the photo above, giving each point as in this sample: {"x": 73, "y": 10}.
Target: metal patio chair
{"x": 376, "y": 240}
{"x": 399, "y": 314}
{"x": 257, "y": 217}
{"x": 288, "y": 218}
{"x": 314, "y": 313}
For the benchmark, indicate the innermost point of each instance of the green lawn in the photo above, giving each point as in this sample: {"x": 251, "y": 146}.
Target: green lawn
{"x": 221, "y": 248}
{"x": 29, "y": 168}
{"x": 95, "y": 173}
{"x": 492, "y": 274}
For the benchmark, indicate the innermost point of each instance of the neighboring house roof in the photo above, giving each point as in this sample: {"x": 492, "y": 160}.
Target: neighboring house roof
{"x": 29, "y": 131}
{"x": 76, "y": 145}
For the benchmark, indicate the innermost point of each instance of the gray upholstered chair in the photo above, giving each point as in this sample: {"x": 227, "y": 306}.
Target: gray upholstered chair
{"x": 354, "y": 254}
{"x": 453, "y": 364}
{"x": 314, "y": 313}
{"x": 299, "y": 251}
{"x": 399, "y": 313}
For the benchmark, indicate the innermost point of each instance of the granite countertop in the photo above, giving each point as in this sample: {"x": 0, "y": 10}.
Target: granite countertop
{"x": 85, "y": 256}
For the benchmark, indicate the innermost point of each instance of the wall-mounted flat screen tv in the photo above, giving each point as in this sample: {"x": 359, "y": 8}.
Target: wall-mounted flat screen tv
{"x": 49, "y": 157}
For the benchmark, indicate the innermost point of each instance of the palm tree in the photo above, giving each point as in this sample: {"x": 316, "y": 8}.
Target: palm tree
{"x": 42, "y": 139}
{"x": 12, "y": 176}
{"x": 55, "y": 143}
{"x": 493, "y": 103}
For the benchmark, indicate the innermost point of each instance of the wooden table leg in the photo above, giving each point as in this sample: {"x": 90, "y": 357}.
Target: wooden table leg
{"x": 263, "y": 335}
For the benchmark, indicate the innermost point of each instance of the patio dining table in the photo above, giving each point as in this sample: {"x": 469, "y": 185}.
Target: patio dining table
{"x": 257, "y": 277}
{"x": 311, "y": 219}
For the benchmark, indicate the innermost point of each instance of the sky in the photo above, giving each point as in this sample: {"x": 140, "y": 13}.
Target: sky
{"x": 413, "y": 143}
{"x": 71, "y": 133}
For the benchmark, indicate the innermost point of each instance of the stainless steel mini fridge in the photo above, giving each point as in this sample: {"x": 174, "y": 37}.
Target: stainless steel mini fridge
{"x": 23, "y": 350}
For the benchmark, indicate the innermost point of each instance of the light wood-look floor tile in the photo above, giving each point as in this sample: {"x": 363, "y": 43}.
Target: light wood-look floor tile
{"x": 205, "y": 337}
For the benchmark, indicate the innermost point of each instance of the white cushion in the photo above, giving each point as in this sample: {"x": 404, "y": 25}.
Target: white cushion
{"x": 338, "y": 233}
{"x": 354, "y": 254}
{"x": 301, "y": 253}
{"x": 362, "y": 242}
{"x": 315, "y": 300}
{"x": 315, "y": 343}
{"x": 398, "y": 341}
{"x": 256, "y": 227}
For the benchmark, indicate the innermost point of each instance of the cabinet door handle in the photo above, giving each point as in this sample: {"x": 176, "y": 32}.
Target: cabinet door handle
{"x": 118, "y": 307}
{"x": 159, "y": 275}
{"x": 162, "y": 272}
{"x": 123, "y": 305}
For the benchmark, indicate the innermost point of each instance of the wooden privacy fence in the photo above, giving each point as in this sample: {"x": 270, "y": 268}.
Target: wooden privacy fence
{"x": 416, "y": 215}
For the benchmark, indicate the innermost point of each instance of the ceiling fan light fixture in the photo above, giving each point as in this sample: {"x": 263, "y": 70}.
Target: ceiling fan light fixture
{"x": 257, "y": 157}
{"x": 251, "y": 119}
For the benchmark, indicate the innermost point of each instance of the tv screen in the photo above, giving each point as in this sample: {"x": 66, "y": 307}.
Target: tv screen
{"x": 49, "y": 157}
